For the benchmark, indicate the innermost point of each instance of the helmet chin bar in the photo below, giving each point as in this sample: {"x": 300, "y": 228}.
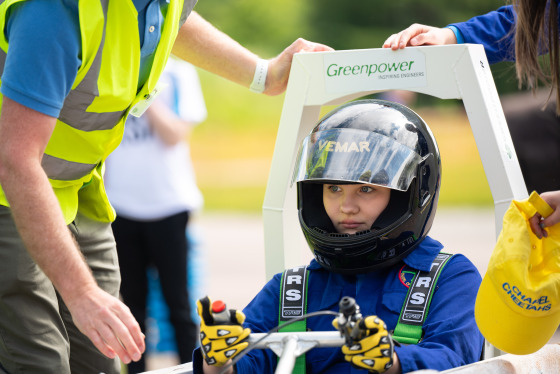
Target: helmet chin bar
{"x": 382, "y": 248}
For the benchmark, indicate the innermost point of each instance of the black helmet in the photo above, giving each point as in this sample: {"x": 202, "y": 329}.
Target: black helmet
{"x": 377, "y": 142}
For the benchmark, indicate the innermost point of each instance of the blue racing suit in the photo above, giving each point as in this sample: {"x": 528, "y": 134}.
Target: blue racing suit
{"x": 451, "y": 337}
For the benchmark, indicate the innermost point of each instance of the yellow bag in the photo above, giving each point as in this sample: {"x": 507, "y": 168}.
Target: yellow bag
{"x": 518, "y": 304}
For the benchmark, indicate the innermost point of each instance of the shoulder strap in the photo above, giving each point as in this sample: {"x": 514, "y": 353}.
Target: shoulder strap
{"x": 293, "y": 304}
{"x": 417, "y": 302}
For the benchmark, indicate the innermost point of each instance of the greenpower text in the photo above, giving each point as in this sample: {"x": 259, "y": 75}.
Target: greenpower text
{"x": 335, "y": 70}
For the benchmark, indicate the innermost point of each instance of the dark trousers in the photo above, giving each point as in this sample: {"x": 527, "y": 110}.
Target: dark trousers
{"x": 162, "y": 244}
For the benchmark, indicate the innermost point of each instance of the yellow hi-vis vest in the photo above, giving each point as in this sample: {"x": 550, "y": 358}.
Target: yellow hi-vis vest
{"x": 91, "y": 123}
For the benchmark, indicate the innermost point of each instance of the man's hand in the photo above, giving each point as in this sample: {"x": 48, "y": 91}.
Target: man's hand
{"x": 279, "y": 67}
{"x": 373, "y": 349}
{"x": 417, "y": 34}
{"x": 221, "y": 341}
{"x": 108, "y": 323}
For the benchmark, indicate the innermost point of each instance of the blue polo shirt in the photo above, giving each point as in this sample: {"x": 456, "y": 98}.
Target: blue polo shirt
{"x": 451, "y": 337}
{"x": 41, "y": 66}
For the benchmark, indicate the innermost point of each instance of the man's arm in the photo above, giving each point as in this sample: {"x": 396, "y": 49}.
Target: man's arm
{"x": 24, "y": 134}
{"x": 203, "y": 45}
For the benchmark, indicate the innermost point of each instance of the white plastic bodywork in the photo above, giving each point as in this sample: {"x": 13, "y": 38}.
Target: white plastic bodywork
{"x": 544, "y": 361}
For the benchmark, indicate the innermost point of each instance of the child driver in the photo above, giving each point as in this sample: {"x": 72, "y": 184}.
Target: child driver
{"x": 368, "y": 179}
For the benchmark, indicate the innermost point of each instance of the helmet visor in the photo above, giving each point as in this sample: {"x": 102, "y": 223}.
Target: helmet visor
{"x": 350, "y": 155}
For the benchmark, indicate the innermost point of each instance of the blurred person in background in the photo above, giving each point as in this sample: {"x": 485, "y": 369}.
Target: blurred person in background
{"x": 404, "y": 97}
{"x": 520, "y": 32}
{"x": 151, "y": 184}
{"x": 534, "y": 125}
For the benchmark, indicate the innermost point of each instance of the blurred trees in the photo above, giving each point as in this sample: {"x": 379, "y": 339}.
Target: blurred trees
{"x": 367, "y": 23}
{"x": 267, "y": 27}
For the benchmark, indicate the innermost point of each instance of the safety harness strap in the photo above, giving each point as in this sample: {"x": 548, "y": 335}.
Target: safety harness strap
{"x": 417, "y": 302}
{"x": 293, "y": 304}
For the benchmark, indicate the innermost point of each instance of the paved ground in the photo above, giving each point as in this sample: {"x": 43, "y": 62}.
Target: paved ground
{"x": 233, "y": 256}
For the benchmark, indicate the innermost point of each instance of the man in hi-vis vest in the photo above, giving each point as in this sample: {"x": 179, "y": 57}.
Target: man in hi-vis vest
{"x": 72, "y": 73}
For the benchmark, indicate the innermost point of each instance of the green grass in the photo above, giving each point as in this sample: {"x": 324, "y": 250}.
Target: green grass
{"x": 465, "y": 186}
{"x": 239, "y": 199}
{"x": 232, "y": 150}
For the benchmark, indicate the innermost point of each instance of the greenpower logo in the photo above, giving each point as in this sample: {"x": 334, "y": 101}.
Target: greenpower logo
{"x": 335, "y": 70}
{"x": 374, "y": 69}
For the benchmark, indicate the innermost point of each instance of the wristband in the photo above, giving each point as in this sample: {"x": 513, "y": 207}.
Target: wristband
{"x": 259, "y": 79}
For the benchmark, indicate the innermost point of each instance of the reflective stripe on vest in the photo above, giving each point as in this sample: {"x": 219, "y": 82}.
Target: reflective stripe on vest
{"x": 91, "y": 122}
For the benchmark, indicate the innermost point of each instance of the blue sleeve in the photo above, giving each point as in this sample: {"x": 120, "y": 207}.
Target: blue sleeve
{"x": 494, "y": 31}
{"x": 44, "y": 54}
{"x": 451, "y": 337}
{"x": 458, "y": 35}
{"x": 262, "y": 316}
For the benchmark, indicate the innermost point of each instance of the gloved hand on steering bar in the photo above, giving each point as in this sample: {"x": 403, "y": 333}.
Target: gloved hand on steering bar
{"x": 221, "y": 335}
{"x": 371, "y": 347}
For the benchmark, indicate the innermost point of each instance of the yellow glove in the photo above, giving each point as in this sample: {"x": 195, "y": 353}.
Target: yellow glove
{"x": 372, "y": 347}
{"x": 221, "y": 336}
